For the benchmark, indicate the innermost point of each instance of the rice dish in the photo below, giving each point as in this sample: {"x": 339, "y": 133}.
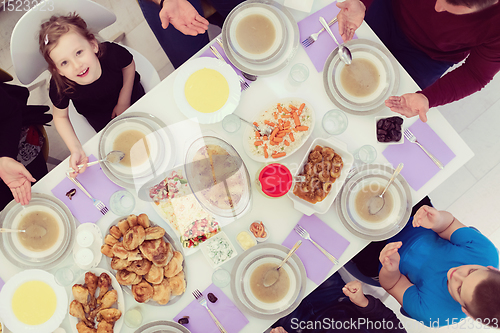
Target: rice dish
{"x": 291, "y": 123}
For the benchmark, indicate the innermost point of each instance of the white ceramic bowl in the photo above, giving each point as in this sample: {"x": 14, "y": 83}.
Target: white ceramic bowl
{"x": 323, "y": 206}
{"x": 214, "y": 258}
{"x": 402, "y": 140}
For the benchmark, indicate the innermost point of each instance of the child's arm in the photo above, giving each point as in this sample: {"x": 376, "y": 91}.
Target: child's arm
{"x": 67, "y": 133}
{"x": 126, "y": 91}
{"x": 441, "y": 222}
{"x": 390, "y": 277}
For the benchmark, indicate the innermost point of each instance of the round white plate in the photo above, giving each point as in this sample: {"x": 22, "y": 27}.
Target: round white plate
{"x": 120, "y": 303}
{"x": 290, "y": 46}
{"x": 195, "y": 65}
{"x": 249, "y": 133}
{"x": 10, "y": 288}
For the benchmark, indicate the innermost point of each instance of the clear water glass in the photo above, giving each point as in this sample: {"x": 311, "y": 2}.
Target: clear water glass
{"x": 298, "y": 74}
{"x": 66, "y": 276}
{"x": 335, "y": 122}
{"x": 231, "y": 123}
{"x": 365, "y": 155}
{"x": 133, "y": 317}
{"x": 221, "y": 277}
{"x": 122, "y": 203}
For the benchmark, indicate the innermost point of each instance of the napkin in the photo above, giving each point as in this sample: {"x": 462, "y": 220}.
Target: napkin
{"x": 1, "y": 284}
{"x": 226, "y": 312}
{"x": 316, "y": 263}
{"x": 96, "y": 183}
{"x": 418, "y": 167}
{"x": 209, "y": 53}
{"x": 319, "y": 51}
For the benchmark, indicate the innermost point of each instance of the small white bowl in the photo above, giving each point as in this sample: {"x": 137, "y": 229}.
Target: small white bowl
{"x": 253, "y": 240}
{"x": 260, "y": 239}
{"x": 402, "y": 140}
{"x": 218, "y": 255}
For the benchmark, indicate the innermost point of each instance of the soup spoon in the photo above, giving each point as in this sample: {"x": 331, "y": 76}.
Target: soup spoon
{"x": 273, "y": 274}
{"x": 11, "y": 230}
{"x": 344, "y": 53}
{"x": 376, "y": 203}
{"x": 113, "y": 156}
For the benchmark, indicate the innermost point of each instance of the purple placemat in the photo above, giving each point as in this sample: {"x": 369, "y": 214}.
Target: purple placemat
{"x": 1, "y": 284}
{"x": 418, "y": 167}
{"x": 209, "y": 53}
{"x": 96, "y": 183}
{"x": 224, "y": 310}
{"x": 316, "y": 263}
{"x": 319, "y": 51}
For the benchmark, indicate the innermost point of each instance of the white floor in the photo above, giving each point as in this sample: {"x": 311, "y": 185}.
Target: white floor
{"x": 471, "y": 194}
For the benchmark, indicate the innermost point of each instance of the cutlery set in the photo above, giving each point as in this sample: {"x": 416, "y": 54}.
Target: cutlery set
{"x": 203, "y": 302}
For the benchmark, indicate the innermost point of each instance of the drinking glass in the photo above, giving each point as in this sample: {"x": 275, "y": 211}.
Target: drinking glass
{"x": 221, "y": 277}
{"x": 335, "y": 122}
{"x": 231, "y": 123}
{"x": 365, "y": 155}
{"x": 66, "y": 276}
{"x": 298, "y": 74}
{"x": 122, "y": 202}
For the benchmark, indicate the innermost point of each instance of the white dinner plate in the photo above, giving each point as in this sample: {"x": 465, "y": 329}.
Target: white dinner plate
{"x": 120, "y": 303}
{"x": 10, "y": 288}
{"x": 195, "y": 65}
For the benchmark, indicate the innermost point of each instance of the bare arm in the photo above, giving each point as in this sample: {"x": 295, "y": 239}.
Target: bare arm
{"x": 183, "y": 16}
{"x": 17, "y": 178}
{"x": 67, "y": 133}
{"x": 441, "y": 222}
{"x": 126, "y": 91}
{"x": 351, "y": 15}
{"x": 390, "y": 277}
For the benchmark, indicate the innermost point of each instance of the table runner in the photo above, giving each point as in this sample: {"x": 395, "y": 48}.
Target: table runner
{"x": 319, "y": 51}
{"x": 224, "y": 309}
{"x": 96, "y": 183}
{"x": 418, "y": 167}
{"x": 316, "y": 263}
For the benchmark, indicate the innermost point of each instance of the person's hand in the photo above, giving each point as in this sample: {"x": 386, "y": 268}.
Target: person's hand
{"x": 183, "y": 16}
{"x": 352, "y": 13}
{"x": 354, "y": 291}
{"x": 119, "y": 109}
{"x": 427, "y": 217}
{"x": 278, "y": 330}
{"x": 17, "y": 178}
{"x": 78, "y": 157}
{"x": 389, "y": 256}
{"x": 409, "y": 105}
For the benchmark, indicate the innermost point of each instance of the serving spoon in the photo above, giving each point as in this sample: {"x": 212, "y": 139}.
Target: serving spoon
{"x": 344, "y": 53}
{"x": 273, "y": 274}
{"x": 263, "y": 131}
{"x": 11, "y": 230}
{"x": 376, "y": 203}
{"x": 113, "y": 156}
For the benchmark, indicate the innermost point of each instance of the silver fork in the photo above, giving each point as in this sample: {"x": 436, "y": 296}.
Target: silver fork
{"x": 244, "y": 84}
{"x": 314, "y": 37}
{"x": 203, "y": 302}
{"x": 304, "y": 234}
{"x": 413, "y": 139}
{"x": 97, "y": 203}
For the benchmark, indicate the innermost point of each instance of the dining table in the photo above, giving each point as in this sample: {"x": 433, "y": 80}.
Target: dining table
{"x": 278, "y": 214}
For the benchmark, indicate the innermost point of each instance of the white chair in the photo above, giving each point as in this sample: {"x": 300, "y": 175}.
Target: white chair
{"x": 29, "y": 63}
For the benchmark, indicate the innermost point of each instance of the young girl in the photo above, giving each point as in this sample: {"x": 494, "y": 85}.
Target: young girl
{"x": 99, "y": 78}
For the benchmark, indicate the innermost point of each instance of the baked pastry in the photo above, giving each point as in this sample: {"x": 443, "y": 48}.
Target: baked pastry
{"x": 132, "y": 220}
{"x": 140, "y": 267}
{"x": 142, "y": 292}
{"x": 177, "y": 284}
{"x": 155, "y": 275}
{"x": 143, "y": 220}
{"x": 134, "y": 255}
{"x": 154, "y": 232}
{"x": 174, "y": 266}
{"x": 158, "y": 251}
{"x": 133, "y": 237}
{"x": 120, "y": 251}
{"x": 126, "y": 278}
{"x": 115, "y": 232}
{"x": 123, "y": 226}
{"x": 110, "y": 240}
{"x": 119, "y": 264}
{"x": 107, "y": 250}
{"x": 162, "y": 292}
